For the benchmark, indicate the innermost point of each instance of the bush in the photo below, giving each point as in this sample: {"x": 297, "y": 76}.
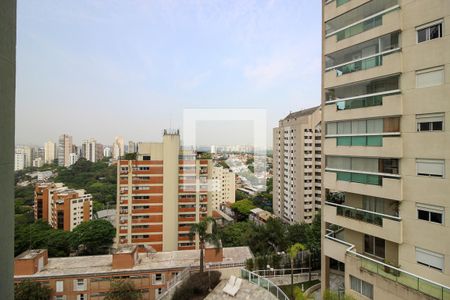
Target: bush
{"x": 197, "y": 285}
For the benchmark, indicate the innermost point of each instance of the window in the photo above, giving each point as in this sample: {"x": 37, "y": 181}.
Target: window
{"x": 430, "y": 77}
{"x": 430, "y": 259}
{"x": 430, "y": 167}
{"x": 429, "y": 31}
{"x": 60, "y": 297}
{"x": 430, "y": 122}
{"x": 79, "y": 285}
{"x": 430, "y": 213}
{"x": 59, "y": 286}
{"x": 374, "y": 246}
{"x": 81, "y": 297}
{"x": 362, "y": 287}
{"x": 158, "y": 278}
{"x": 158, "y": 292}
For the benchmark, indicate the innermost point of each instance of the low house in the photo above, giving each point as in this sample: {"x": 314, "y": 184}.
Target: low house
{"x": 259, "y": 216}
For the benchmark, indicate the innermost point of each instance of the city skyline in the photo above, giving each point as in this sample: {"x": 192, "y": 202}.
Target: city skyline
{"x": 210, "y": 55}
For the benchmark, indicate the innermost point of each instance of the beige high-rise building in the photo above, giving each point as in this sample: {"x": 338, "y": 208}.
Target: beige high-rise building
{"x": 160, "y": 194}
{"x": 64, "y": 150}
{"x": 297, "y": 166}
{"x": 49, "y": 152}
{"x": 386, "y": 89}
{"x": 118, "y": 147}
{"x": 223, "y": 187}
{"x": 89, "y": 150}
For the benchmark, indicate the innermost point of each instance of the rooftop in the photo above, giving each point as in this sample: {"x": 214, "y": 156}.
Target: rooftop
{"x": 301, "y": 113}
{"x": 102, "y": 264}
{"x": 30, "y": 254}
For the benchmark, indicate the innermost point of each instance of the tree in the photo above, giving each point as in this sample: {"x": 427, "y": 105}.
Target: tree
{"x": 58, "y": 243}
{"x": 130, "y": 156}
{"x": 243, "y": 208}
{"x": 93, "y": 237}
{"x": 240, "y": 195}
{"x": 293, "y": 252}
{"x": 200, "y": 230}
{"x": 123, "y": 290}
{"x": 297, "y": 233}
{"x": 28, "y": 289}
{"x": 236, "y": 234}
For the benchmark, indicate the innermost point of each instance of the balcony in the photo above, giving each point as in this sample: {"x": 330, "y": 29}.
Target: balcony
{"x": 379, "y": 145}
{"x": 333, "y": 246}
{"x": 335, "y": 8}
{"x": 372, "y": 19}
{"x": 376, "y": 224}
{"x": 374, "y": 105}
{"x": 364, "y": 184}
{"x": 383, "y": 64}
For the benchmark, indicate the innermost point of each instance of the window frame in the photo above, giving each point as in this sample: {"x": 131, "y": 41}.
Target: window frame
{"x": 357, "y": 284}
{"x": 425, "y": 160}
{"x": 430, "y": 253}
{"x": 427, "y": 27}
{"x": 429, "y": 116}
{"x": 431, "y": 209}
{"x": 430, "y": 70}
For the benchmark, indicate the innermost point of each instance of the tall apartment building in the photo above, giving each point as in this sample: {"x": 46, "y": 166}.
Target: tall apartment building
{"x": 98, "y": 151}
{"x": 223, "y": 187}
{"x": 386, "y": 87}
{"x": 160, "y": 194}
{"x": 89, "y": 150}
{"x": 64, "y": 150}
{"x": 297, "y": 166}
{"x": 61, "y": 207}
{"x": 107, "y": 151}
{"x": 118, "y": 147}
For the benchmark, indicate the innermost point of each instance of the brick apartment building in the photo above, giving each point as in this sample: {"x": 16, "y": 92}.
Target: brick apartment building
{"x": 61, "y": 207}
{"x": 160, "y": 194}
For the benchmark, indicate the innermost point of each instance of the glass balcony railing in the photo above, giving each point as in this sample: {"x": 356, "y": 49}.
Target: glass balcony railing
{"x": 359, "y": 28}
{"x": 359, "y": 178}
{"x": 361, "y": 214}
{"x": 360, "y": 103}
{"x": 410, "y": 280}
{"x": 367, "y": 141}
{"x": 341, "y": 2}
{"x": 360, "y": 65}
{"x": 407, "y": 279}
{"x": 264, "y": 283}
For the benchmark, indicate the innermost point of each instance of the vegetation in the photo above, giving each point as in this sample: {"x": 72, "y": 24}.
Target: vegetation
{"x": 242, "y": 208}
{"x": 298, "y": 293}
{"x": 272, "y": 237}
{"x": 197, "y": 286}
{"x": 93, "y": 237}
{"x": 123, "y": 290}
{"x": 293, "y": 251}
{"x": 201, "y": 231}
{"x": 130, "y": 156}
{"x": 97, "y": 178}
{"x": 330, "y": 295}
{"x": 35, "y": 290}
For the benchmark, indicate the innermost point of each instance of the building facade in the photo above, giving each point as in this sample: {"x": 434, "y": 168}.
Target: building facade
{"x": 297, "y": 166}
{"x": 89, "y": 150}
{"x": 386, "y": 86}
{"x": 90, "y": 277}
{"x": 61, "y": 207}
{"x": 223, "y": 187}
{"x": 160, "y": 194}
{"x": 64, "y": 150}
{"x": 118, "y": 148}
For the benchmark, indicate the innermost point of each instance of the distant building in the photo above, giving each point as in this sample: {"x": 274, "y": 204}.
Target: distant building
{"x": 260, "y": 216}
{"x": 89, "y": 150}
{"x": 297, "y": 166}
{"x": 62, "y": 207}
{"x": 118, "y": 147}
{"x": 107, "y": 151}
{"x": 161, "y": 194}
{"x": 108, "y": 215}
{"x": 38, "y": 162}
{"x": 98, "y": 152}
{"x": 64, "y": 150}
{"x": 90, "y": 277}
{"x": 223, "y": 187}
{"x": 73, "y": 158}
{"x": 132, "y": 147}
{"x": 19, "y": 160}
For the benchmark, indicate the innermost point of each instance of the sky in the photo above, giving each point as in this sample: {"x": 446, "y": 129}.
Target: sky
{"x": 100, "y": 69}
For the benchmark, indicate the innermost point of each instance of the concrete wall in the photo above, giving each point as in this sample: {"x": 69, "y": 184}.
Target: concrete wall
{"x": 7, "y": 121}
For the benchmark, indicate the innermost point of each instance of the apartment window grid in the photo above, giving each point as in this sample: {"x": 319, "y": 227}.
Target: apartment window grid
{"x": 430, "y": 122}
{"x": 430, "y": 213}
